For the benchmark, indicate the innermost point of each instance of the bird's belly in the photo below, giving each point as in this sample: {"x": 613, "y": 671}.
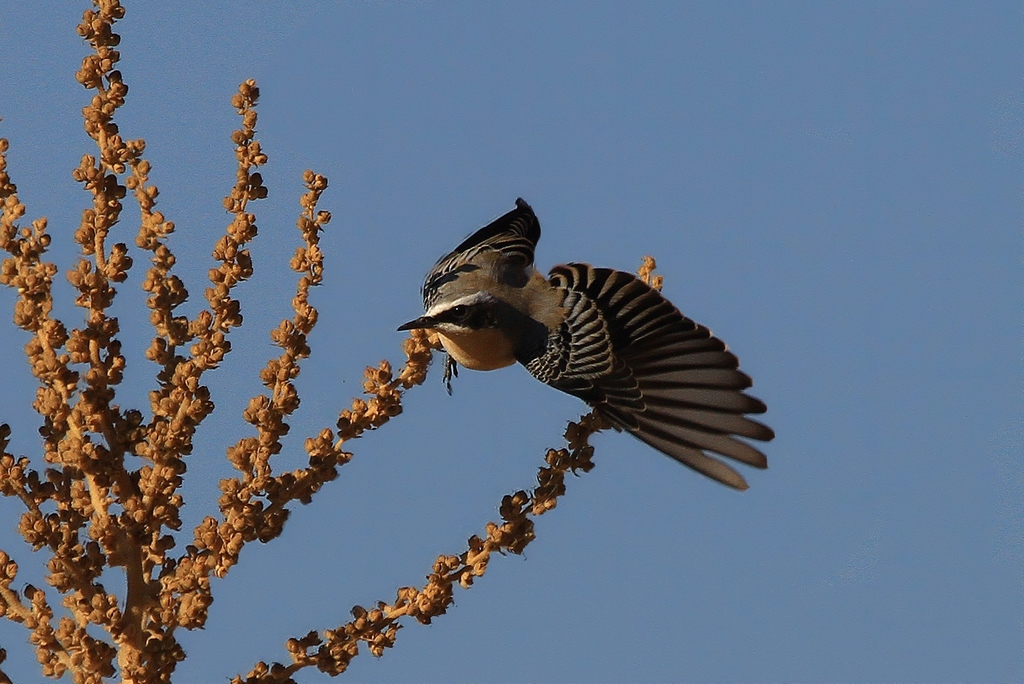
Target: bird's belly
{"x": 479, "y": 350}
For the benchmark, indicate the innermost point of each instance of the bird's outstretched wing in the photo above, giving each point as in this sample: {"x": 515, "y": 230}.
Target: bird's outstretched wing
{"x": 513, "y": 236}
{"x": 648, "y": 369}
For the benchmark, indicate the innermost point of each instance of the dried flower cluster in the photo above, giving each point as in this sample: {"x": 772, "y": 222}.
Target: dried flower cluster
{"x": 646, "y": 273}
{"x": 92, "y": 512}
{"x": 331, "y": 650}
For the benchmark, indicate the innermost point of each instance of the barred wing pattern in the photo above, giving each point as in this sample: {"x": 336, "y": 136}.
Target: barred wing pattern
{"x": 648, "y": 369}
{"x": 513, "y": 235}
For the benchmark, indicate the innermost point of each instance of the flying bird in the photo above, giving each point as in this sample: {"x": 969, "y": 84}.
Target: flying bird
{"x": 598, "y": 334}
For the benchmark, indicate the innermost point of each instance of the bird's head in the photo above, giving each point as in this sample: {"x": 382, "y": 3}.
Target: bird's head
{"x": 465, "y": 314}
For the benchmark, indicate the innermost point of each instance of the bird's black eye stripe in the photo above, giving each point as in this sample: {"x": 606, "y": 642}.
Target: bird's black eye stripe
{"x": 456, "y": 314}
{"x": 471, "y": 316}
{"x": 483, "y": 317}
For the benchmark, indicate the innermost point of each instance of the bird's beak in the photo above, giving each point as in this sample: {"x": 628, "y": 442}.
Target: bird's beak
{"x": 421, "y": 322}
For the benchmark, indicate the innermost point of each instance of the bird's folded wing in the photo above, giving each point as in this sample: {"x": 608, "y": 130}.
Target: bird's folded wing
{"x": 513, "y": 236}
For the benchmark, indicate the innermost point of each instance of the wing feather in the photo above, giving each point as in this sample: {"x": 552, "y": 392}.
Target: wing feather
{"x": 648, "y": 369}
{"x": 512, "y": 237}
{"x": 690, "y": 456}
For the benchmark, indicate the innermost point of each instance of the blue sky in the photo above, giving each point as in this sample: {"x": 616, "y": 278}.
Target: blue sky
{"x": 833, "y": 188}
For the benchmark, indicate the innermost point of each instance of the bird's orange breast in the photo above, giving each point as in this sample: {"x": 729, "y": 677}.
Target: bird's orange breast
{"x": 486, "y": 349}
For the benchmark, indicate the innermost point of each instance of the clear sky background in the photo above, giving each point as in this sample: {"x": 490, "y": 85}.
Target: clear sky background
{"x": 833, "y": 188}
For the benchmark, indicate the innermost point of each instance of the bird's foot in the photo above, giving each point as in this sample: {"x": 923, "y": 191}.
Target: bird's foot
{"x": 451, "y": 370}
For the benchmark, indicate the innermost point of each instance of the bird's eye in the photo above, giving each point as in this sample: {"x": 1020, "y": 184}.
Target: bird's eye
{"x": 459, "y": 311}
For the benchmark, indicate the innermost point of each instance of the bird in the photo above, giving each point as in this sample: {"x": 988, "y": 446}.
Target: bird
{"x": 598, "y": 334}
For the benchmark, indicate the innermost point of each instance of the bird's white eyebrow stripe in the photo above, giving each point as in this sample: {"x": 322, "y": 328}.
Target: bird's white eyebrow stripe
{"x": 468, "y": 300}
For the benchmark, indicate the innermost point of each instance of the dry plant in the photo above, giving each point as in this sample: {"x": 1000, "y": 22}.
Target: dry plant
{"x": 109, "y": 495}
